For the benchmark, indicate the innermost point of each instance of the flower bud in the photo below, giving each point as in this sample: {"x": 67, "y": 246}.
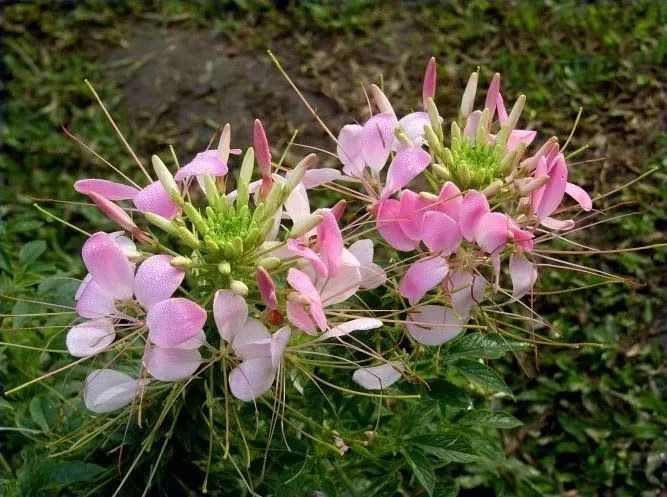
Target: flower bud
{"x": 245, "y": 174}
{"x": 267, "y": 289}
{"x": 512, "y": 120}
{"x": 298, "y": 173}
{"x": 211, "y": 191}
{"x": 493, "y": 188}
{"x": 432, "y": 139}
{"x": 262, "y": 150}
{"x": 339, "y": 209}
{"x": 113, "y": 212}
{"x": 468, "y": 100}
{"x": 428, "y": 88}
{"x": 224, "y": 268}
{"x": 239, "y": 288}
{"x": 224, "y": 145}
{"x": 162, "y": 223}
{"x": 381, "y": 100}
{"x": 305, "y": 225}
{"x": 188, "y": 238}
{"x": 530, "y": 185}
{"x": 166, "y": 179}
{"x": 403, "y": 138}
{"x": 436, "y": 120}
{"x": 181, "y": 262}
{"x": 193, "y": 214}
{"x": 269, "y": 262}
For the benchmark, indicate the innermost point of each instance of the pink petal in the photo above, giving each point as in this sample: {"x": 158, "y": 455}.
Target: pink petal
{"x": 413, "y": 125}
{"x": 107, "y": 189}
{"x": 519, "y": 136}
{"x": 428, "y": 88}
{"x": 500, "y": 108}
{"x": 450, "y": 200}
{"x": 413, "y": 207}
{"x": 353, "y": 325}
{"x": 440, "y": 233}
{"x": 253, "y": 340}
{"x": 372, "y": 275}
{"x": 262, "y": 150}
{"x": 297, "y": 205}
{"x": 554, "y": 189}
{"x": 206, "y": 162}
{"x": 193, "y": 343}
{"x": 472, "y": 123}
{"x": 378, "y": 377}
{"x": 343, "y": 285}
{"x": 422, "y": 276}
{"x": 166, "y": 364}
{"x": 93, "y": 302}
{"x": 408, "y": 163}
{"x": 318, "y": 177}
{"x": 300, "y": 318}
{"x": 349, "y": 149}
{"x": 556, "y": 224}
{"x": 363, "y": 251}
{"x": 473, "y": 207}
{"x": 108, "y": 266}
{"x": 156, "y": 280}
{"x": 230, "y": 312}
{"x": 580, "y": 195}
{"x": 107, "y": 390}
{"x": 173, "y": 321}
{"x": 329, "y": 241}
{"x": 522, "y": 238}
{"x": 377, "y": 137}
{"x": 302, "y": 284}
{"x": 389, "y": 226}
{"x": 154, "y": 198}
{"x": 523, "y": 274}
{"x": 252, "y": 378}
{"x": 434, "y": 324}
{"x": 536, "y": 195}
{"x": 316, "y": 261}
{"x": 267, "y": 289}
{"x": 492, "y": 95}
{"x": 279, "y": 341}
{"x": 113, "y": 212}
{"x": 89, "y": 338}
{"x": 492, "y": 232}
{"x": 466, "y": 290}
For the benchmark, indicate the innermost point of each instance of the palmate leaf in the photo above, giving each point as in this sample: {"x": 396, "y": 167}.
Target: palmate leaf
{"x": 482, "y": 375}
{"x": 447, "y": 448}
{"x": 421, "y": 467}
{"x": 489, "y": 419}
{"x": 480, "y": 345}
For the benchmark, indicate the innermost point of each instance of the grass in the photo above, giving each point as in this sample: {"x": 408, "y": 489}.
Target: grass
{"x": 593, "y": 418}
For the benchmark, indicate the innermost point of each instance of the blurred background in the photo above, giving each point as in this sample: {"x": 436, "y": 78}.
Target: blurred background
{"x": 172, "y": 73}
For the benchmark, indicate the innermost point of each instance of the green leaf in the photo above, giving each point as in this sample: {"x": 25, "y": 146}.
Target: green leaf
{"x": 448, "y": 394}
{"x": 5, "y": 404}
{"x": 68, "y": 472}
{"x": 37, "y": 413}
{"x": 31, "y": 251}
{"x": 447, "y": 448}
{"x": 482, "y": 375}
{"x": 421, "y": 467}
{"x": 480, "y": 345}
{"x": 490, "y": 419}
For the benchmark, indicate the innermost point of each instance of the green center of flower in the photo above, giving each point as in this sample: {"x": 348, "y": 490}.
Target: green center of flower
{"x": 474, "y": 165}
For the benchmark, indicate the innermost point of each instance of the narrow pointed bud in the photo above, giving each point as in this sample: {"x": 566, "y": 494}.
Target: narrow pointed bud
{"x": 267, "y": 289}
{"x": 193, "y": 214}
{"x": 211, "y": 191}
{"x": 245, "y": 174}
{"x": 162, "y": 223}
{"x": 269, "y": 263}
{"x": 449, "y": 158}
{"x": 166, "y": 179}
{"x": 434, "y": 116}
{"x": 428, "y": 89}
{"x": 512, "y": 120}
{"x": 210, "y": 244}
{"x": 493, "y": 188}
{"x": 468, "y": 100}
{"x": 428, "y": 196}
{"x": 225, "y": 268}
{"x": 239, "y": 288}
{"x": 237, "y": 246}
{"x": 181, "y": 262}
{"x": 381, "y": 100}
{"x": 493, "y": 93}
{"x": 272, "y": 200}
{"x": 299, "y": 172}
{"x": 526, "y": 187}
{"x": 481, "y": 134}
{"x": 265, "y": 229}
{"x": 188, "y": 238}
{"x": 529, "y": 165}
{"x": 339, "y": 209}
{"x": 464, "y": 176}
{"x": 305, "y": 225}
{"x": 432, "y": 140}
{"x": 225, "y": 143}
{"x": 113, "y": 212}
{"x": 441, "y": 170}
{"x": 262, "y": 150}
{"x": 456, "y": 131}
{"x": 403, "y": 138}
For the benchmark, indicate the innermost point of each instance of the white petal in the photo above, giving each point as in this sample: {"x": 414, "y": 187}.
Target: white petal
{"x": 434, "y": 324}
{"x": 106, "y": 390}
{"x": 89, "y": 338}
{"x": 252, "y": 378}
{"x": 378, "y": 377}
{"x": 171, "y": 364}
{"x": 252, "y": 340}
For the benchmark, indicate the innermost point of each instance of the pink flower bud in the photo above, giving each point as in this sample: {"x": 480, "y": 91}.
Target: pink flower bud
{"x": 267, "y": 288}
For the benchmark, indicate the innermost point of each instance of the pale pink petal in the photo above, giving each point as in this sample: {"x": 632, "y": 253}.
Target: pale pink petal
{"x": 554, "y": 189}
{"x": 113, "y": 212}
{"x": 363, "y": 251}
{"x": 492, "y": 232}
{"x": 450, "y": 200}
{"x": 316, "y": 261}
{"x": 523, "y": 274}
{"x": 173, "y": 321}
{"x": 434, "y": 324}
{"x": 422, "y": 276}
{"x": 262, "y": 150}
{"x": 466, "y": 290}
{"x": 580, "y": 195}
{"x": 300, "y": 318}
{"x": 252, "y": 340}
{"x": 329, "y": 241}
{"x": 378, "y": 377}
{"x": 252, "y": 378}
{"x": 522, "y": 238}
{"x": 108, "y": 266}
{"x": 107, "y": 189}
{"x": 519, "y": 136}
{"x": 230, "y": 312}
{"x": 557, "y": 224}
{"x": 473, "y": 207}
{"x": 175, "y": 364}
{"x": 154, "y": 198}
{"x": 471, "y": 125}
{"x": 106, "y": 390}
{"x": 279, "y": 341}
{"x": 346, "y": 283}
{"x": 536, "y": 195}
{"x": 193, "y": 343}
{"x": 492, "y": 95}
{"x": 413, "y": 207}
{"x": 125, "y": 243}
{"x": 302, "y": 284}
{"x": 89, "y": 338}
{"x": 350, "y": 326}
{"x": 93, "y": 302}
{"x": 389, "y": 226}
{"x": 204, "y": 163}
{"x": 82, "y": 286}
{"x": 428, "y": 88}
{"x": 408, "y": 163}
{"x": 297, "y": 205}
{"x": 267, "y": 289}
{"x": 440, "y": 233}
{"x": 156, "y": 280}
{"x": 413, "y": 125}
{"x": 377, "y": 138}
{"x": 372, "y": 275}
{"x": 318, "y": 177}
{"x": 500, "y": 108}
{"x": 349, "y": 149}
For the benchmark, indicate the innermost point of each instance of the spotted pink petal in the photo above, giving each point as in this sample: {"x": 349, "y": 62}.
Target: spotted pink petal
{"x": 329, "y": 241}
{"x": 449, "y": 200}
{"x": 314, "y": 258}
{"x": 302, "y": 284}
{"x": 106, "y": 390}
{"x": 108, "y": 266}
{"x": 523, "y": 274}
{"x": 175, "y": 364}
{"x": 352, "y": 325}
{"x": 252, "y": 378}
{"x": 422, "y": 276}
{"x": 580, "y": 196}
{"x": 378, "y": 377}
{"x": 279, "y": 341}
{"x": 473, "y": 208}
{"x": 253, "y": 340}
{"x": 413, "y": 125}
{"x": 428, "y": 88}
{"x": 377, "y": 138}
{"x": 389, "y": 226}
{"x": 554, "y": 189}
{"x": 440, "y": 233}
{"x": 154, "y": 198}
{"x": 156, "y": 280}
{"x": 262, "y": 150}
{"x": 267, "y": 289}
{"x": 492, "y": 232}
{"x": 107, "y": 189}
{"x": 93, "y": 302}
{"x": 434, "y": 324}
{"x": 413, "y": 207}
{"x": 230, "y": 312}
{"x": 300, "y": 318}
{"x": 466, "y": 290}
{"x": 204, "y": 163}
{"x": 408, "y": 163}
{"x": 349, "y": 149}
{"x": 173, "y": 321}
{"x": 90, "y": 338}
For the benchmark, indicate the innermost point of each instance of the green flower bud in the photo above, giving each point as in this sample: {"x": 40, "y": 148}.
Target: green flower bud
{"x": 166, "y": 179}
{"x": 164, "y": 224}
{"x": 269, "y": 263}
{"x": 239, "y": 288}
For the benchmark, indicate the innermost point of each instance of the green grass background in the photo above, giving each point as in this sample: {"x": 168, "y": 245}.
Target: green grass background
{"x": 594, "y": 417}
